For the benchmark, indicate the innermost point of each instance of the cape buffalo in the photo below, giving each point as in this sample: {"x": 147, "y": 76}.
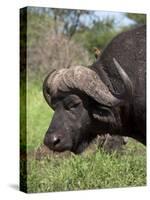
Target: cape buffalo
{"x": 108, "y": 97}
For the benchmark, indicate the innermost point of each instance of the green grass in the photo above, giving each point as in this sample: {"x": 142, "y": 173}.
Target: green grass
{"x": 91, "y": 170}
{"x": 39, "y": 115}
{"x": 97, "y": 170}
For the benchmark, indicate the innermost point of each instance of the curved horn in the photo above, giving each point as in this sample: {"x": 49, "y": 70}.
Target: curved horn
{"x": 128, "y": 92}
{"x": 87, "y": 81}
{"x": 46, "y": 89}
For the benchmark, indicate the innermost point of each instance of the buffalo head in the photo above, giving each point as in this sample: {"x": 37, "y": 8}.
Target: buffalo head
{"x": 84, "y": 107}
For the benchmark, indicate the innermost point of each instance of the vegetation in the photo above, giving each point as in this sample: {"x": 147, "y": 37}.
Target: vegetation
{"x": 55, "y": 41}
{"x": 98, "y": 35}
{"x": 139, "y": 19}
{"x": 98, "y": 170}
{"x": 38, "y": 116}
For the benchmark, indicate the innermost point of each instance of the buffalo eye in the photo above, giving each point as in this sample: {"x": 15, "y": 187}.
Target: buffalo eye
{"x": 71, "y": 105}
{"x": 103, "y": 111}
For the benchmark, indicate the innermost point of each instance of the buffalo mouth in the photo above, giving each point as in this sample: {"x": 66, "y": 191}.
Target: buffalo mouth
{"x": 67, "y": 147}
{"x": 59, "y": 147}
{"x": 57, "y": 144}
{"x": 63, "y": 145}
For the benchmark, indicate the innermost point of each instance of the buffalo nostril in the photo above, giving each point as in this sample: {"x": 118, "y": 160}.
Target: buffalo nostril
{"x": 56, "y": 140}
{"x": 52, "y": 140}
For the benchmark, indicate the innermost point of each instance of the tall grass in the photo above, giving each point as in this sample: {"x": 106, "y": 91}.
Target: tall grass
{"x": 87, "y": 171}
